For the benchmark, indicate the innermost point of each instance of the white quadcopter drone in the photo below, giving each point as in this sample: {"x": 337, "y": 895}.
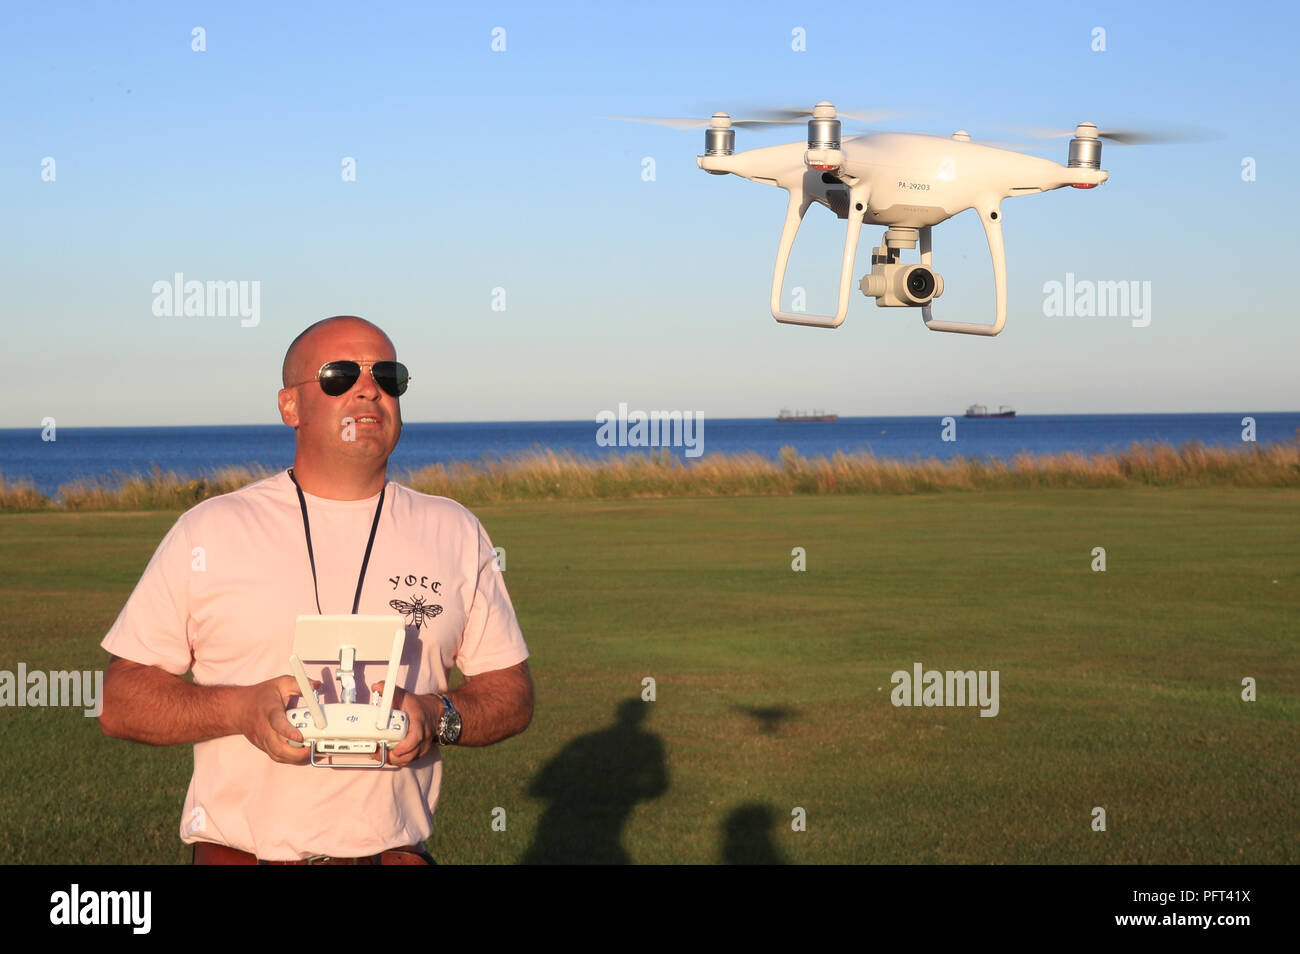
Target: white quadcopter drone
{"x": 909, "y": 182}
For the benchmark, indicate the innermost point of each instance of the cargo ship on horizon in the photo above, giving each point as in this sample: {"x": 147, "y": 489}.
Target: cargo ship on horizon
{"x": 804, "y": 417}
{"x": 979, "y": 410}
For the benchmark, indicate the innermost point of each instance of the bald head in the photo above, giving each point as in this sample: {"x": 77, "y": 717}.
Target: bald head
{"x": 297, "y": 359}
{"x": 343, "y": 439}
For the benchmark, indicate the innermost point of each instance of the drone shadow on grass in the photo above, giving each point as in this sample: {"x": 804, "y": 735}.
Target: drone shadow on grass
{"x": 591, "y": 787}
{"x": 747, "y": 832}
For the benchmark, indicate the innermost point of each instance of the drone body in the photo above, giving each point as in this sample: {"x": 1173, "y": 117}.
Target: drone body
{"x": 915, "y": 180}
{"x": 906, "y": 182}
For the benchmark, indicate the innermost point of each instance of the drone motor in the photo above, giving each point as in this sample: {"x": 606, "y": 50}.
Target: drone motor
{"x": 719, "y": 137}
{"x": 823, "y": 139}
{"x": 823, "y": 127}
{"x": 1085, "y": 148}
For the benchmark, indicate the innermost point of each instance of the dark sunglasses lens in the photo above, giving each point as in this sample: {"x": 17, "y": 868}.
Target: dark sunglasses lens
{"x": 337, "y": 377}
{"x": 392, "y": 376}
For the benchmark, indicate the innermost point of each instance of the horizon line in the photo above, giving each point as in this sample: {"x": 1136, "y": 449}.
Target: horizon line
{"x": 592, "y": 420}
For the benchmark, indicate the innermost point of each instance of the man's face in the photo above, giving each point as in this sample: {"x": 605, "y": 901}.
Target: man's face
{"x": 363, "y": 423}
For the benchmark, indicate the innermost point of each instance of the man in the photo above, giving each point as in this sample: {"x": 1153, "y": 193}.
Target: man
{"x": 332, "y": 535}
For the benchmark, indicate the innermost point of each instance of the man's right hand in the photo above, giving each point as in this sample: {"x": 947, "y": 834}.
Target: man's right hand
{"x": 263, "y": 722}
{"x": 148, "y": 704}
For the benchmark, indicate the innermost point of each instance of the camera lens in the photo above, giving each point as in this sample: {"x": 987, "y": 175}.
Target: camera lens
{"x": 920, "y": 283}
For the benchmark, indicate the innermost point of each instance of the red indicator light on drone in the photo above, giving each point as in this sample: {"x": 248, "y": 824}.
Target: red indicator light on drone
{"x": 1084, "y": 185}
{"x": 822, "y": 167}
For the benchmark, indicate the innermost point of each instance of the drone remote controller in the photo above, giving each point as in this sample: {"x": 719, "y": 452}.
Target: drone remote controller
{"x": 350, "y": 729}
{"x": 347, "y": 727}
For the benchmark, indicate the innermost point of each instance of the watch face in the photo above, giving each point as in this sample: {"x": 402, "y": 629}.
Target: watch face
{"x": 453, "y": 729}
{"x": 449, "y": 724}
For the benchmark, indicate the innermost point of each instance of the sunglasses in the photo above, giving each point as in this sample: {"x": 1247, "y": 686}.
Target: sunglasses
{"x": 338, "y": 377}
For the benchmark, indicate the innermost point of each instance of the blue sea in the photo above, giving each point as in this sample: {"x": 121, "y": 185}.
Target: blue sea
{"x": 109, "y": 452}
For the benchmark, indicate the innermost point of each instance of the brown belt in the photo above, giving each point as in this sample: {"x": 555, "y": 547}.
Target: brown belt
{"x": 210, "y": 853}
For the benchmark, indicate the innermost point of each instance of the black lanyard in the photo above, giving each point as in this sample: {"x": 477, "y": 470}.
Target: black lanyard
{"x": 306, "y": 528}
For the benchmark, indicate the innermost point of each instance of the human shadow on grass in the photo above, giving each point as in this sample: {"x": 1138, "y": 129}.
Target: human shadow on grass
{"x": 591, "y": 787}
{"x": 747, "y": 836}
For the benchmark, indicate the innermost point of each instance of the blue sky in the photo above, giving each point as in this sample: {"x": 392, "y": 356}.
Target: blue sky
{"x": 479, "y": 169}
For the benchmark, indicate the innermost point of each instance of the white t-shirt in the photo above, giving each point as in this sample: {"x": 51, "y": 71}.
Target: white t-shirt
{"x": 221, "y": 596}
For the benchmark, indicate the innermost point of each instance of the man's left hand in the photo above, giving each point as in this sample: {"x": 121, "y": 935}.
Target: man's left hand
{"x": 422, "y": 714}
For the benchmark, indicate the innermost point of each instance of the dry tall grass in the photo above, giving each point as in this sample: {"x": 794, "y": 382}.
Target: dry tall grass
{"x": 547, "y": 475}
{"x": 550, "y": 475}
{"x": 155, "y": 490}
{"x": 21, "y": 495}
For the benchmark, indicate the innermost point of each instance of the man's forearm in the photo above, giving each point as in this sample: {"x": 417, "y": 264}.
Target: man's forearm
{"x": 492, "y": 705}
{"x": 147, "y": 704}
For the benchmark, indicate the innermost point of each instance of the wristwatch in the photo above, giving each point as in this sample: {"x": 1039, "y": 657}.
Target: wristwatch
{"x": 448, "y": 723}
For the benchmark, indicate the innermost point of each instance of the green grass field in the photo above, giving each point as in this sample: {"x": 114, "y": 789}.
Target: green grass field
{"x": 1120, "y": 689}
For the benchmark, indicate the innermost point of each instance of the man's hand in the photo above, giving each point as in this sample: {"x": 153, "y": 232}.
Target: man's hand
{"x": 422, "y": 714}
{"x": 492, "y": 705}
{"x": 263, "y": 722}
{"x": 147, "y": 704}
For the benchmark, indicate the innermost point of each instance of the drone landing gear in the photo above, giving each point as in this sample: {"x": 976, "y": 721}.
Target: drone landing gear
{"x": 991, "y": 217}
{"x": 895, "y": 285}
{"x": 800, "y": 200}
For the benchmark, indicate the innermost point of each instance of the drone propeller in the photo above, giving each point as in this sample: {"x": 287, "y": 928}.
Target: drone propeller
{"x": 758, "y": 118}
{"x": 783, "y": 114}
{"x": 682, "y": 122}
{"x": 1149, "y": 135}
{"x": 720, "y": 129}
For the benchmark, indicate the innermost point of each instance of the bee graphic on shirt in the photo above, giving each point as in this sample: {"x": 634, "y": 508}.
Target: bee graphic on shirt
{"x": 417, "y": 611}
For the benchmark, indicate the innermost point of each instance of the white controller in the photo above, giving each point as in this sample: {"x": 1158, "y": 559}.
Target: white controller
{"x": 348, "y": 727}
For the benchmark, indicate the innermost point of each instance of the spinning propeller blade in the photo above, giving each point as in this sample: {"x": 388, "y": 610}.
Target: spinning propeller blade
{"x": 760, "y": 117}
{"x": 1148, "y": 135}
{"x": 788, "y": 115}
{"x": 683, "y": 122}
